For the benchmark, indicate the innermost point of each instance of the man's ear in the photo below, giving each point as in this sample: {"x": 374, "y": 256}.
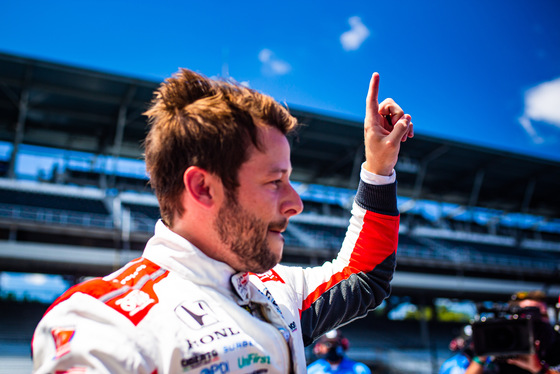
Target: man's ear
{"x": 199, "y": 185}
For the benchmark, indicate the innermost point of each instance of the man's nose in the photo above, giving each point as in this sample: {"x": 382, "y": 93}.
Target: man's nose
{"x": 292, "y": 204}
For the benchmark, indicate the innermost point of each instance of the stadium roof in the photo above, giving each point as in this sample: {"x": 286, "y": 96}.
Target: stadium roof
{"x": 53, "y": 105}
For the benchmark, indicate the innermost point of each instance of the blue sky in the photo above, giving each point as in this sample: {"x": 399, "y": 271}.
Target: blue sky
{"x": 478, "y": 71}
{"x": 486, "y": 72}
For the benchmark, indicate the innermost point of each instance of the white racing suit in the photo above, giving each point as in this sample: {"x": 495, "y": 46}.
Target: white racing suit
{"x": 175, "y": 310}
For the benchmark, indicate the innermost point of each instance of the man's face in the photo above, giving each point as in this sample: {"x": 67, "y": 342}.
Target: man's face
{"x": 538, "y": 304}
{"x": 250, "y": 224}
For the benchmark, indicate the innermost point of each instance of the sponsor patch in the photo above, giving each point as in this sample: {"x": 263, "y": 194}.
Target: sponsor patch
{"x": 251, "y": 359}
{"x": 270, "y": 276}
{"x": 131, "y": 276}
{"x": 196, "y": 315}
{"x": 134, "y": 301}
{"x": 238, "y": 345}
{"x": 240, "y": 284}
{"x": 220, "y": 368}
{"x": 293, "y": 326}
{"x": 270, "y": 298}
{"x": 211, "y": 337}
{"x": 62, "y": 337}
{"x": 198, "y": 360}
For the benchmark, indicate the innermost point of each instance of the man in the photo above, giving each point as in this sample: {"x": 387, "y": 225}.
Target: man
{"x": 547, "y": 342}
{"x": 331, "y": 349}
{"x": 207, "y": 295}
{"x": 462, "y": 346}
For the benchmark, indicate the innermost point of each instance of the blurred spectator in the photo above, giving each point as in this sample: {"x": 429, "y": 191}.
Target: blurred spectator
{"x": 331, "y": 349}
{"x": 462, "y": 346}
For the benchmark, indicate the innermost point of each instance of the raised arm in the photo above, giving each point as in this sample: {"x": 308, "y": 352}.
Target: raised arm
{"x": 359, "y": 278}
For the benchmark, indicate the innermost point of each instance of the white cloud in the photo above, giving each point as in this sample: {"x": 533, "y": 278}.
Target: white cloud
{"x": 352, "y": 39}
{"x": 528, "y": 127}
{"x": 36, "y": 279}
{"x": 542, "y": 104}
{"x": 272, "y": 65}
{"x": 265, "y": 55}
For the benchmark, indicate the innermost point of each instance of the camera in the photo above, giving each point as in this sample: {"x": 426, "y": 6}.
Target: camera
{"x": 506, "y": 331}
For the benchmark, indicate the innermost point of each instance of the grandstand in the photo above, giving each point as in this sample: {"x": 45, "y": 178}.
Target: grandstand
{"x": 476, "y": 223}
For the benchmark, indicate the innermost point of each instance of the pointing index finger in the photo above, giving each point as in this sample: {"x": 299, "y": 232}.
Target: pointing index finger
{"x": 372, "y": 104}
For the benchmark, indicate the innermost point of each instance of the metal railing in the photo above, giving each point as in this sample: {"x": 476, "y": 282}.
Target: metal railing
{"x": 429, "y": 250}
{"x": 55, "y": 216}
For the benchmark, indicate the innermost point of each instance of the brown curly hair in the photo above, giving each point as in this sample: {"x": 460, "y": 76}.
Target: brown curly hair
{"x": 196, "y": 121}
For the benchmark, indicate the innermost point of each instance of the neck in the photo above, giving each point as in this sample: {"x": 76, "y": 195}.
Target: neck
{"x": 205, "y": 241}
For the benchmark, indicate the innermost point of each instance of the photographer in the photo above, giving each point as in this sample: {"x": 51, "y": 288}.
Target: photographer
{"x": 546, "y": 352}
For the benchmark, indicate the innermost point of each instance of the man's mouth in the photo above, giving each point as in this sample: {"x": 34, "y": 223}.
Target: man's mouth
{"x": 278, "y": 227}
{"x": 276, "y": 232}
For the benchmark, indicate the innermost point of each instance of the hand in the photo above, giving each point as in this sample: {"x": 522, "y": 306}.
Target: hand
{"x": 383, "y": 139}
{"x": 476, "y": 366}
{"x": 530, "y": 362}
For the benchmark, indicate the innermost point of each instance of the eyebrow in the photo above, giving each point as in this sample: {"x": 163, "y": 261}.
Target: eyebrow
{"x": 281, "y": 170}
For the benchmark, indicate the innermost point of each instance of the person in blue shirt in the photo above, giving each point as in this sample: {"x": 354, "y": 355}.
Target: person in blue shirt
{"x": 456, "y": 364}
{"x": 460, "y": 361}
{"x": 331, "y": 349}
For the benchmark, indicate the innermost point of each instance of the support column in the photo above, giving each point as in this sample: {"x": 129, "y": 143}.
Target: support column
{"x": 20, "y": 128}
{"x": 473, "y": 200}
{"x": 23, "y": 106}
{"x": 529, "y": 191}
{"x": 119, "y": 133}
{"x": 423, "y": 169}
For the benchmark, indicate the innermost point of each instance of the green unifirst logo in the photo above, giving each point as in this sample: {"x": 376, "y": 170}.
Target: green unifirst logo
{"x": 252, "y": 358}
